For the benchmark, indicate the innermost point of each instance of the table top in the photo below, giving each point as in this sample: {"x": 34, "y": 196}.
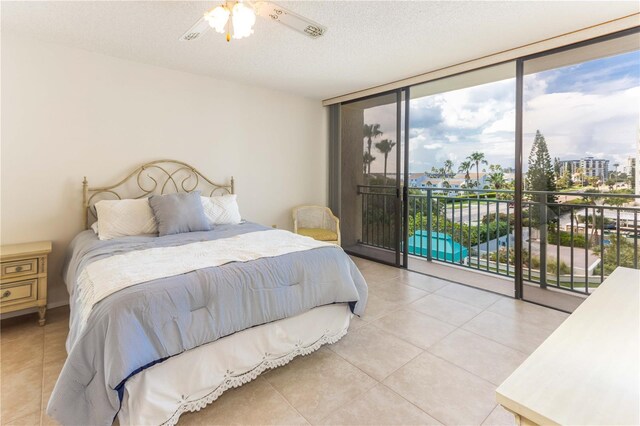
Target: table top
{"x": 588, "y": 370}
{"x": 26, "y": 249}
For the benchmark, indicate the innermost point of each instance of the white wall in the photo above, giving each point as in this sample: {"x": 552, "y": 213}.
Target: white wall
{"x": 69, "y": 113}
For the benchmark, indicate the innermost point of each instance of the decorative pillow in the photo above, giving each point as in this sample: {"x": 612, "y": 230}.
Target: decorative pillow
{"x": 222, "y": 209}
{"x": 121, "y": 218}
{"x": 178, "y": 213}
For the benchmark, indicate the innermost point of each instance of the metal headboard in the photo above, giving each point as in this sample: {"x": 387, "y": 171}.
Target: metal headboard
{"x": 154, "y": 178}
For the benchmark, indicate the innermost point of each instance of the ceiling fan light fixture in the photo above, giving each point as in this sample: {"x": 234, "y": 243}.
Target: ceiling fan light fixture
{"x": 243, "y": 18}
{"x": 218, "y": 18}
{"x": 237, "y": 17}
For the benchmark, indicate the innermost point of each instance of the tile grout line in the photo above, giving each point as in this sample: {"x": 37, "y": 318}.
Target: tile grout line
{"x": 435, "y": 355}
{"x": 466, "y": 303}
{"x": 359, "y": 369}
{"x": 413, "y": 344}
{"x": 328, "y": 346}
{"x": 461, "y": 368}
{"x": 431, "y": 353}
{"x": 514, "y": 320}
{"x": 381, "y": 382}
{"x": 285, "y": 399}
{"x": 485, "y": 419}
{"x": 489, "y": 338}
{"x": 424, "y": 411}
{"x": 440, "y": 340}
{"x": 497, "y": 342}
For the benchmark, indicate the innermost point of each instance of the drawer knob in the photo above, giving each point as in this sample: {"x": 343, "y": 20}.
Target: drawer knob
{"x": 18, "y": 268}
{"x": 6, "y": 294}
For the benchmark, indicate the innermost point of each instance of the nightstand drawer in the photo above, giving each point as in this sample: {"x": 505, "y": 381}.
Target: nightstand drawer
{"x": 18, "y": 292}
{"x": 19, "y": 267}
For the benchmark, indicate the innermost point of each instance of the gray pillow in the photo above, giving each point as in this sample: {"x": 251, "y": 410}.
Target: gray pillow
{"x": 178, "y": 213}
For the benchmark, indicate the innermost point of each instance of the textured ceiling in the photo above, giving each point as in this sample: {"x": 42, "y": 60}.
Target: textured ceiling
{"x": 367, "y": 43}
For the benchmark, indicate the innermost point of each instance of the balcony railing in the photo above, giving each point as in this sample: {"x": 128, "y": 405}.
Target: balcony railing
{"x": 570, "y": 240}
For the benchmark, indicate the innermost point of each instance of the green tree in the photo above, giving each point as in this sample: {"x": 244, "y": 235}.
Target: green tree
{"x": 465, "y": 167}
{"x": 385, "y": 146}
{"x": 496, "y": 176}
{"x": 540, "y": 175}
{"x": 565, "y": 181}
{"x": 581, "y": 175}
{"x": 371, "y": 131}
{"x": 628, "y": 256}
{"x": 556, "y": 167}
{"x": 477, "y": 158}
{"x": 611, "y": 183}
{"x": 448, "y": 167}
{"x": 367, "y": 159}
{"x": 442, "y": 173}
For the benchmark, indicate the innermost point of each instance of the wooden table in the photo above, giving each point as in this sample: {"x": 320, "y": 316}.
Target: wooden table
{"x": 588, "y": 371}
{"x": 23, "y": 277}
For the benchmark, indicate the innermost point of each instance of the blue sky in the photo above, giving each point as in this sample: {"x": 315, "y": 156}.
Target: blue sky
{"x": 591, "y": 108}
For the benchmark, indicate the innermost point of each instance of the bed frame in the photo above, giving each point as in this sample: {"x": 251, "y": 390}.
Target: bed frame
{"x": 155, "y": 178}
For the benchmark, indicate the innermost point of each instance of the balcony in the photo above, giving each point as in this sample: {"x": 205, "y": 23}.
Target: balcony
{"x": 571, "y": 241}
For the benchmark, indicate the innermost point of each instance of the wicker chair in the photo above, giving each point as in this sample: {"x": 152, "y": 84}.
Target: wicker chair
{"x": 316, "y": 222}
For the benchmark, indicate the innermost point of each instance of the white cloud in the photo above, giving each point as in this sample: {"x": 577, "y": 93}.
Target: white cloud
{"x": 432, "y": 146}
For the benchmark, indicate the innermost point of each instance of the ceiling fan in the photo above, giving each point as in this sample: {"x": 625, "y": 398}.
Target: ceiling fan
{"x": 236, "y": 19}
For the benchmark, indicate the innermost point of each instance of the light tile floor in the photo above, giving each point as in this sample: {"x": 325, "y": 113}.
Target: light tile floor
{"x": 427, "y": 351}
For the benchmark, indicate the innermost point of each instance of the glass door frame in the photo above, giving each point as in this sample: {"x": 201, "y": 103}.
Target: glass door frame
{"x": 403, "y": 156}
{"x": 400, "y": 228}
{"x": 519, "y": 280}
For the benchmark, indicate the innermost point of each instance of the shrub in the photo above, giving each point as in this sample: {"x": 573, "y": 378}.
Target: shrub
{"x": 565, "y": 239}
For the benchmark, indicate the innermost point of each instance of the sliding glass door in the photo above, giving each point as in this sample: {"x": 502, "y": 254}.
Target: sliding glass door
{"x": 462, "y": 172}
{"x": 371, "y": 164}
{"x": 525, "y": 170}
{"x": 581, "y": 132}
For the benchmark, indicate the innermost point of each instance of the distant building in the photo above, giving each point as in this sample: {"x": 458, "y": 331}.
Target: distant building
{"x": 592, "y": 167}
{"x": 630, "y": 167}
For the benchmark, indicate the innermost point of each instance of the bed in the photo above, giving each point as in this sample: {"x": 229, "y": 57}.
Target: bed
{"x": 162, "y": 325}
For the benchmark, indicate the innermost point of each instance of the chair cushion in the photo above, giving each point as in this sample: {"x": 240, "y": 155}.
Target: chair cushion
{"x": 318, "y": 234}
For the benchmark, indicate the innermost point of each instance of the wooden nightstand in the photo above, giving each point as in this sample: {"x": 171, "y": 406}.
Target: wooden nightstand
{"x": 23, "y": 277}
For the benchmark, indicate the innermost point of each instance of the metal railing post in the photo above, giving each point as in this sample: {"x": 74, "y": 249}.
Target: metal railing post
{"x": 429, "y": 220}
{"x": 543, "y": 239}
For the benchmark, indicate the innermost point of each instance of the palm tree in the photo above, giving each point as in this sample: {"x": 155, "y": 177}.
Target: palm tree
{"x": 371, "y": 131}
{"x": 465, "y": 167}
{"x": 367, "y": 159}
{"x": 477, "y": 158}
{"x": 496, "y": 177}
{"x": 385, "y": 146}
{"x": 448, "y": 167}
{"x": 442, "y": 172}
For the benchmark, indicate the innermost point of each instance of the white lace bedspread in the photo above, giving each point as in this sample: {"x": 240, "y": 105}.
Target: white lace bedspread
{"x": 107, "y": 276}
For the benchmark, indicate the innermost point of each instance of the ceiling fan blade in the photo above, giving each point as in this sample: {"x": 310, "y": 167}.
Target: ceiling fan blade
{"x": 199, "y": 28}
{"x": 290, "y": 19}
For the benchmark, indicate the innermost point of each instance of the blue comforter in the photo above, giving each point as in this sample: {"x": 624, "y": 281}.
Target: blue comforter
{"x": 150, "y": 322}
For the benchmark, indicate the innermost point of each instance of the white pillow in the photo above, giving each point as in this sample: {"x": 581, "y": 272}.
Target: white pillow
{"x": 94, "y": 226}
{"x": 222, "y": 210}
{"x": 121, "y": 218}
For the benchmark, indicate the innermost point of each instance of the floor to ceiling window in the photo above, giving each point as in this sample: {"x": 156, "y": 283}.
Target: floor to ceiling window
{"x": 524, "y": 170}
{"x": 580, "y": 144}
{"x": 462, "y": 169}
